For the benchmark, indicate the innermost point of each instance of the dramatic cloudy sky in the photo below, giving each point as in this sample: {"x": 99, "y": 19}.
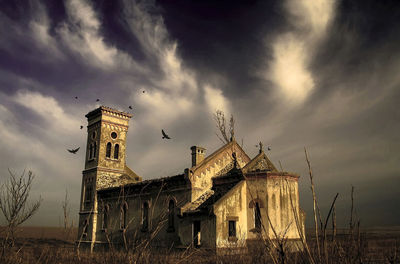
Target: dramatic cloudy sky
{"x": 319, "y": 74}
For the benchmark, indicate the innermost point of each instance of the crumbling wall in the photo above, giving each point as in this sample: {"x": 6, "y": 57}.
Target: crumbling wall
{"x": 278, "y": 199}
{"x": 231, "y": 207}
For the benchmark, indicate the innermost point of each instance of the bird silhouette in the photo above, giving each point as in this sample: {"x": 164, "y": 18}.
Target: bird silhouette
{"x": 269, "y": 148}
{"x": 143, "y": 91}
{"x": 81, "y": 127}
{"x": 164, "y": 134}
{"x": 76, "y": 97}
{"x": 73, "y": 151}
{"x": 130, "y": 107}
{"x": 97, "y": 100}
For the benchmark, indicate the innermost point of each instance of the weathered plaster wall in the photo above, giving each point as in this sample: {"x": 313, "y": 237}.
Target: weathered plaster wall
{"x": 279, "y": 202}
{"x": 232, "y": 206}
{"x": 283, "y": 204}
{"x": 256, "y": 191}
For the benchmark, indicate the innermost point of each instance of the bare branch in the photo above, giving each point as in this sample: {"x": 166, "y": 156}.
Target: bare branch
{"x": 14, "y": 195}
{"x": 219, "y": 118}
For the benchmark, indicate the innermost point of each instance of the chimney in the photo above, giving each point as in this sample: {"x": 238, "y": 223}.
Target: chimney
{"x": 198, "y": 154}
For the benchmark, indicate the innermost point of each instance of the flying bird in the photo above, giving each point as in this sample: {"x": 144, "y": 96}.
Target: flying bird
{"x": 97, "y": 100}
{"x": 164, "y": 135}
{"x": 76, "y": 97}
{"x": 269, "y": 148}
{"x": 73, "y": 151}
{"x": 143, "y": 91}
{"x": 81, "y": 127}
{"x": 130, "y": 107}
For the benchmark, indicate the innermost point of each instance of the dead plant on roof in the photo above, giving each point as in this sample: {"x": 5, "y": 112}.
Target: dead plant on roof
{"x": 220, "y": 121}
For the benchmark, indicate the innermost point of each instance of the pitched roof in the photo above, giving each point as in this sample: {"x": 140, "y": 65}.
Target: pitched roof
{"x": 164, "y": 183}
{"x": 260, "y": 163}
{"x": 193, "y": 206}
{"x": 221, "y": 186}
{"x": 131, "y": 174}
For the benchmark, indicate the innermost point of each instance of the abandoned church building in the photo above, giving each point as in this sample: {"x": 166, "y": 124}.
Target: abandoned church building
{"x": 225, "y": 199}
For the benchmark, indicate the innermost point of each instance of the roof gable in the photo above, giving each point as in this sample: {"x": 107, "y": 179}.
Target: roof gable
{"x": 260, "y": 163}
{"x": 231, "y": 145}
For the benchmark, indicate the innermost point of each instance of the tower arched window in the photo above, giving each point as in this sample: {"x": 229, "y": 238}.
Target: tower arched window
{"x": 124, "y": 216}
{"x": 171, "y": 215}
{"x": 108, "y": 150}
{"x": 145, "y": 216}
{"x": 257, "y": 216}
{"x": 116, "y": 151}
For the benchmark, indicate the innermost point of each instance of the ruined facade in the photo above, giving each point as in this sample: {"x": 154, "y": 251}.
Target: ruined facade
{"x": 223, "y": 200}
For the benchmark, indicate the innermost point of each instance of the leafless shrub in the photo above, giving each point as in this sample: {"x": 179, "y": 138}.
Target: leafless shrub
{"x": 14, "y": 204}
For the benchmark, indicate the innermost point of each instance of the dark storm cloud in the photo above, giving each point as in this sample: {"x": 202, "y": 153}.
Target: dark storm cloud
{"x": 320, "y": 74}
{"x": 223, "y": 36}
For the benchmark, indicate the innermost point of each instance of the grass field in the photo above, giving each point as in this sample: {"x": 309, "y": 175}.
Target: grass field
{"x": 53, "y": 245}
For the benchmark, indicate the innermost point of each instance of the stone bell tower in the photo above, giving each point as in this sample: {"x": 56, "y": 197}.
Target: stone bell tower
{"x": 104, "y": 165}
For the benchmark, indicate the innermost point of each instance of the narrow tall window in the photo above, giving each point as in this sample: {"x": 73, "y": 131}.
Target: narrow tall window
{"x": 145, "y": 216}
{"x": 90, "y": 151}
{"x": 124, "y": 216}
{"x": 116, "y": 151}
{"x": 85, "y": 228}
{"x": 108, "y": 150}
{"x": 171, "y": 215}
{"x": 94, "y": 149}
{"x": 232, "y": 228}
{"x": 88, "y": 197}
{"x": 257, "y": 216}
{"x": 196, "y": 233}
{"x": 105, "y": 216}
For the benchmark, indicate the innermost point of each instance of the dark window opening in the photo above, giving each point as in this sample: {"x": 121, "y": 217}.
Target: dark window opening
{"x": 171, "y": 216}
{"x": 145, "y": 217}
{"x": 90, "y": 151}
{"x": 196, "y": 233}
{"x": 105, "y": 216}
{"x": 232, "y": 229}
{"x": 124, "y": 216}
{"x": 94, "y": 149}
{"x": 116, "y": 151}
{"x": 114, "y": 135}
{"x": 108, "y": 150}
{"x": 88, "y": 197}
{"x": 257, "y": 216}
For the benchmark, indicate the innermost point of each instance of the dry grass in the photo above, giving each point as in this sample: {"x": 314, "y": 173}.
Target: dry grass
{"x": 45, "y": 245}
